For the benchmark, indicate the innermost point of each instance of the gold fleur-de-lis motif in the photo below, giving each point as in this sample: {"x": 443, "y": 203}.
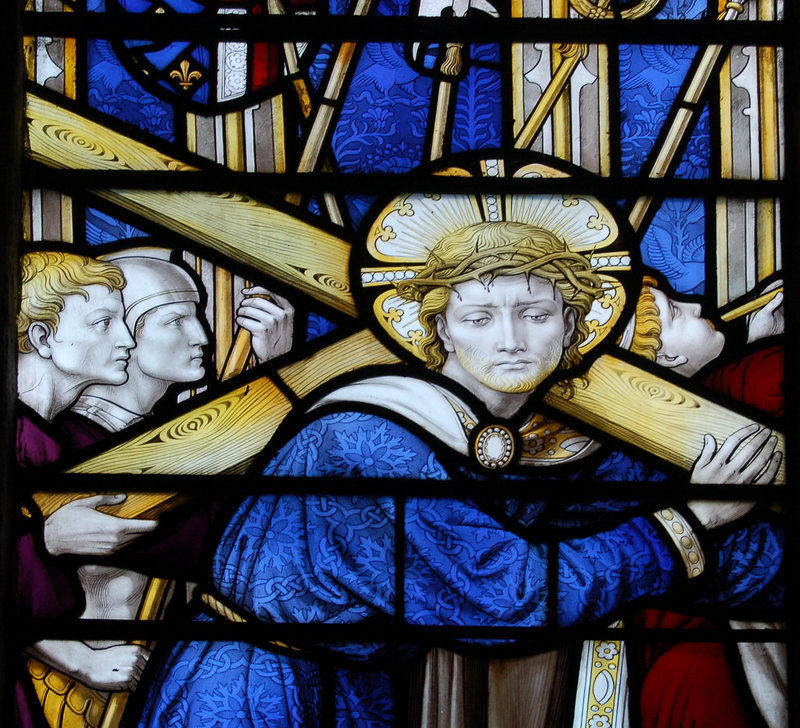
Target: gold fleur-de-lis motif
{"x": 186, "y": 77}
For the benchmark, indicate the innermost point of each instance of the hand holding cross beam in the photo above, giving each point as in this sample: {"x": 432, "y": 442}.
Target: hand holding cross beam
{"x": 266, "y": 322}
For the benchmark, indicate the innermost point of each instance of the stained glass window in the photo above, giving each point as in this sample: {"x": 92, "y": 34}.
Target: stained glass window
{"x": 389, "y": 363}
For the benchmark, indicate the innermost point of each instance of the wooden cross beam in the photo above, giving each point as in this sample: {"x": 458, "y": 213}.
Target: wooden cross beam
{"x": 226, "y": 433}
{"x": 241, "y": 228}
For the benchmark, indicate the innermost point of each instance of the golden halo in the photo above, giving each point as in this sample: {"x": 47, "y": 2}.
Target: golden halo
{"x": 405, "y": 231}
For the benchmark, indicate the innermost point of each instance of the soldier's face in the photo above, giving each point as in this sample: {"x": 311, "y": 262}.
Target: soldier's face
{"x": 170, "y": 344}
{"x": 508, "y": 335}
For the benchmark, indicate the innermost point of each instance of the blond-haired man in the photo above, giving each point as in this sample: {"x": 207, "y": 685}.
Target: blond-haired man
{"x": 70, "y": 334}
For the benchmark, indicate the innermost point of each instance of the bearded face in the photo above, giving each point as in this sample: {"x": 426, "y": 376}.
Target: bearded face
{"x": 508, "y": 335}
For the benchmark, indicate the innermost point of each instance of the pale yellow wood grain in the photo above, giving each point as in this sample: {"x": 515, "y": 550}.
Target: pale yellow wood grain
{"x": 765, "y": 238}
{"x": 61, "y": 138}
{"x": 680, "y": 126}
{"x": 254, "y": 234}
{"x": 223, "y": 316}
{"x": 209, "y": 439}
{"x": 248, "y": 231}
{"x": 361, "y": 349}
{"x": 675, "y": 136}
{"x": 217, "y": 437}
{"x": 278, "y": 135}
{"x": 644, "y": 410}
{"x": 561, "y": 110}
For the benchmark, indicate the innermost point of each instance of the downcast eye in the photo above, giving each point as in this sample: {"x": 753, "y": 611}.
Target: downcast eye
{"x": 536, "y": 317}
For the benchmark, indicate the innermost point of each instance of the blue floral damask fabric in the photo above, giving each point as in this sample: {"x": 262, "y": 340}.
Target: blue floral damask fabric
{"x": 674, "y": 244}
{"x": 239, "y": 685}
{"x": 330, "y": 559}
{"x": 650, "y": 79}
{"x": 383, "y": 122}
{"x": 113, "y": 91}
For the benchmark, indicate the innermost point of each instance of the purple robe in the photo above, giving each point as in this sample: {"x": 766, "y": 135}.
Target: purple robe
{"x": 36, "y": 448}
{"x": 41, "y": 588}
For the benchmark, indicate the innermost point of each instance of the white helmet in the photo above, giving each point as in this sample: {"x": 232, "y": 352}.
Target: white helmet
{"x": 151, "y": 281}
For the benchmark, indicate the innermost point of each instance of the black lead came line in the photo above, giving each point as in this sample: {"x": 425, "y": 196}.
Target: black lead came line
{"x": 398, "y": 29}
{"x": 37, "y": 174}
{"x": 368, "y": 631}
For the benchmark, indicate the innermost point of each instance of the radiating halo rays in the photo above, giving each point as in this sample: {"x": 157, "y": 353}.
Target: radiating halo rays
{"x": 406, "y": 229}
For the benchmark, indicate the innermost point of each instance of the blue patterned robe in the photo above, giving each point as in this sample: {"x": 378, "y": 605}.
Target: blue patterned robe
{"x": 330, "y": 559}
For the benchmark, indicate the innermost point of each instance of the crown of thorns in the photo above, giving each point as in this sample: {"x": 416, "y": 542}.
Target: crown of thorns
{"x": 507, "y": 260}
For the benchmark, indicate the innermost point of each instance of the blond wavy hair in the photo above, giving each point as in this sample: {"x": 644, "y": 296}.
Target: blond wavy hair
{"x": 47, "y": 278}
{"x": 487, "y": 250}
{"x": 646, "y": 339}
